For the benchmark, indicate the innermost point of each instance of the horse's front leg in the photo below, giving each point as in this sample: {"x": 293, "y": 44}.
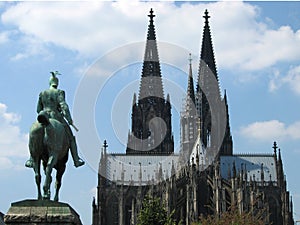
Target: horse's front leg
{"x": 51, "y": 162}
{"x": 36, "y": 168}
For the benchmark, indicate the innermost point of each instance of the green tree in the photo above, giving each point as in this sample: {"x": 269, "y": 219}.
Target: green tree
{"x": 153, "y": 212}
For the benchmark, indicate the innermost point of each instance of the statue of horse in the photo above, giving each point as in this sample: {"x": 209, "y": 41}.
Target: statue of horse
{"x": 48, "y": 143}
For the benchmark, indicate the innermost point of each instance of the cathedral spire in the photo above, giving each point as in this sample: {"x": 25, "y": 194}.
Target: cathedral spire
{"x": 208, "y": 91}
{"x": 149, "y": 133}
{"x": 227, "y": 144}
{"x": 207, "y": 57}
{"x": 151, "y": 82}
{"x": 190, "y": 94}
{"x": 188, "y": 117}
{"x": 190, "y": 89}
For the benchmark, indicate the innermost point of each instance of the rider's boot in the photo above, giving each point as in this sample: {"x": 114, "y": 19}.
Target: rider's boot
{"x": 29, "y": 163}
{"x": 77, "y": 161}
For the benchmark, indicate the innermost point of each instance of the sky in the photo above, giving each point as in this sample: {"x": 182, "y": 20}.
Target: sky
{"x": 98, "y": 48}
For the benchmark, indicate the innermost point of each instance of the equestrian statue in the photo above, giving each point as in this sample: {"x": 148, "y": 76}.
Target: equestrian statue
{"x": 51, "y": 137}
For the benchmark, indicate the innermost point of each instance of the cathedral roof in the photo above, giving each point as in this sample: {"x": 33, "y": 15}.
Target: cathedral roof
{"x": 253, "y": 164}
{"x": 139, "y": 169}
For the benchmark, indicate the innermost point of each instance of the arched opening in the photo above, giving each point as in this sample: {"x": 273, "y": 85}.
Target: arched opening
{"x": 130, "y": 215}
{"x": 274, "y": 211}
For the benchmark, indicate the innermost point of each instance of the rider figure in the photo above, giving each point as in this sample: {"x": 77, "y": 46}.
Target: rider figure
{"x": 52, "y": 101}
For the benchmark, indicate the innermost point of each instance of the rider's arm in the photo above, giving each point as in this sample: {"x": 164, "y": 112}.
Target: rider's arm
{"x": 39, "y": 104}
{"x": 64, "y": 107}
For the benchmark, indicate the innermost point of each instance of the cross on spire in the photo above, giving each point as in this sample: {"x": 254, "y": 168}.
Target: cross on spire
{"x": 151, "y": 15}
{"x": 206, "y": 16}
{"x": 105, "y": 145}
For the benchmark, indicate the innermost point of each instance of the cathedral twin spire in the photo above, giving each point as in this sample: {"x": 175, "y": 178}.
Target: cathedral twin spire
{"x": 151, "y": 82}
{"x": 151, "y": 114}
{"x": 207, "y": 94}
{"x": 146, "y": 132}
{"x": 207, "y": 58}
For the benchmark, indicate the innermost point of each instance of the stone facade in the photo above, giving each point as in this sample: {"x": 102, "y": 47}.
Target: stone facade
{"x": 1, "y": 218}
{"x": 205, "y": 177}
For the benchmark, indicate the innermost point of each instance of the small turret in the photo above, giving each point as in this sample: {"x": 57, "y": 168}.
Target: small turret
{"x": 134, "y": 99}
{"x": 197, "y": 158}
{"x": 262, "y": 174}
{"x": 280, "y": 174}
{"x": 229, "y": 172}
{"x": 233, "y": 170}
{"x": 140, "y": 174}
{"x": 173, "y": 169}
{"x": 275, "y": 150}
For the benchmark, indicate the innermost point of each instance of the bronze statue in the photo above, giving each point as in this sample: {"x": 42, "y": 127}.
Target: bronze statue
{"x": 51, "y": 137}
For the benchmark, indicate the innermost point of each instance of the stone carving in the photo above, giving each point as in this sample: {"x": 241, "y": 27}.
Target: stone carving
{"x": 41, "y": 212}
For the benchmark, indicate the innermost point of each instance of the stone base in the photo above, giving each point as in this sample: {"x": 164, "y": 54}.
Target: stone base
{"x": 41, "y": 212}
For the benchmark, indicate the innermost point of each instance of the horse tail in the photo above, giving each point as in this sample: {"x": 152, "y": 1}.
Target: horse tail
{"x": 44, "y": 119}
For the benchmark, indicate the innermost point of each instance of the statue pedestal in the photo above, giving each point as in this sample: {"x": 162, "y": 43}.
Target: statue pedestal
{"x": 41, "y": 212}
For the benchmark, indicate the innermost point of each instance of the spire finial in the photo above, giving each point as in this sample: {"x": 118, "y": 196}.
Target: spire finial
{"x": 105, "y": 145}
{"x": 151, "y": 16}
{"x": 206, "y": 16}
{"x": 275, "y": 147}
{"x": 190, "y": 58}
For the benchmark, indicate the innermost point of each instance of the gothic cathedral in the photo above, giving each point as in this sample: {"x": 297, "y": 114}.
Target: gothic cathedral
{"x": 204, "y": 177}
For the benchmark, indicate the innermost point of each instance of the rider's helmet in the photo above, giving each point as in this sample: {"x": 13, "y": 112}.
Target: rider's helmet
{"x": 53, "y": 81}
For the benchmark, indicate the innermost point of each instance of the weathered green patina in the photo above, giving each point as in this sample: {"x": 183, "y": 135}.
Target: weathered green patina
{"x": 51, "y": 137}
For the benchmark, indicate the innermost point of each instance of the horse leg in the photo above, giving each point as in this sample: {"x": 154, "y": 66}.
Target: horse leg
{"x": 36, "y": 168}
{"x": 51, "y": 162}
{"x": 60, "y": 171}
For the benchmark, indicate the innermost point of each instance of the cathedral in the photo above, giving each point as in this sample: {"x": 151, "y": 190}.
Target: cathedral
{"x": 205, "y": 177}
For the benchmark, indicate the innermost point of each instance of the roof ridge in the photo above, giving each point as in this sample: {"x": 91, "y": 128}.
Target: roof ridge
{"x": 253, "y": 154}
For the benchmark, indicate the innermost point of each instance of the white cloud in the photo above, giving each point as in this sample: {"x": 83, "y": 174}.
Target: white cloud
{"x": 271, "y": 130}
{"x": 4, "y": 37}
{"x": 291, "y": 79}
{"x": 33, "y": 46}
{"x": 273, "y": 83}
{"x": 13, "y": 143}
{"x": 93, "y": 28}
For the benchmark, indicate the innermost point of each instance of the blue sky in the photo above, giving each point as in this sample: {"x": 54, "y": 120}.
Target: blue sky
{"x": 257, "y": 49}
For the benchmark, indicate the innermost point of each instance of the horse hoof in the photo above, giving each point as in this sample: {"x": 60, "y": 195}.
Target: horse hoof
{"x": 79, "y": 163}
{"x": 46, "y": 197}
{"x": 29, "y": 163}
